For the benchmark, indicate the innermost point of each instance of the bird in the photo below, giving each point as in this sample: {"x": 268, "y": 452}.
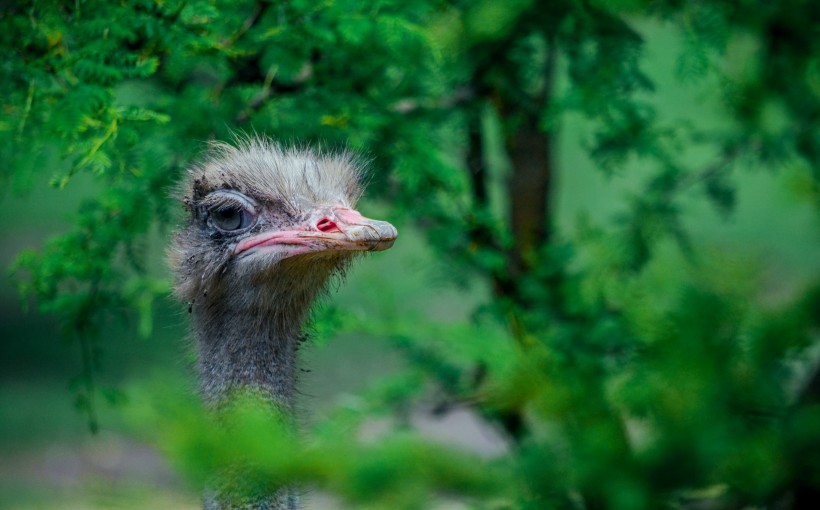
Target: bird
{"x": 267, "y": 227}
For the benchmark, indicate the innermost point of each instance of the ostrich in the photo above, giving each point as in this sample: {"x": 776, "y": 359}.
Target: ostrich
{"x": 267, "y": 228}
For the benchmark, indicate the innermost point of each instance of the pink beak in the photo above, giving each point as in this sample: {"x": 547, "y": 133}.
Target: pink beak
{"x": 337, "y": 229}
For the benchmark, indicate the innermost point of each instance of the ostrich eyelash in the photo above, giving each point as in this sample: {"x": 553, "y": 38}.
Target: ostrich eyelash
{"x": 225, "y": 199}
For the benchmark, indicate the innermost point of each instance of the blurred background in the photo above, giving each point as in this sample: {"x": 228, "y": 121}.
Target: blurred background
{"x": 767, "y": 235}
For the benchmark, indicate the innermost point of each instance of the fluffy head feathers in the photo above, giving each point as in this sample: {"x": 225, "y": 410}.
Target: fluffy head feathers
{"x": 269, "y": 172}
{"x": 282, "y": 188}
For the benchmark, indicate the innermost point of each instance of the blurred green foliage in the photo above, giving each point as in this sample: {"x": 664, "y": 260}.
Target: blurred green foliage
{"x": 628, "y": 365}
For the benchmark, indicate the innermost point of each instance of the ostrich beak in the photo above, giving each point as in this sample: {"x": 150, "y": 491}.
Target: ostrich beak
{"x": 331, "y": 229}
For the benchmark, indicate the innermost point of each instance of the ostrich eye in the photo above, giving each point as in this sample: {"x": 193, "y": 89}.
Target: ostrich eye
{"x": 231, "y": 218}
{"x": 229, "y": 211}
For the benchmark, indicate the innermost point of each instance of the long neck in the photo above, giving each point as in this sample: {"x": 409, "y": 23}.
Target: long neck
{"x": 242, "y": 353}
{"x": 249, "y": 342}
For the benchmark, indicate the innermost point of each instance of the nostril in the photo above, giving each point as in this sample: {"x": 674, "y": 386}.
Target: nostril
{"x": 327, "y": 226}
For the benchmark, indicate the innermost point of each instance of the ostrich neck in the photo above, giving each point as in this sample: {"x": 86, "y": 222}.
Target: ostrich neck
{"x": 249, "y": 344}
{"x": 248, "y": 333}
{"x": 254, "y": 347}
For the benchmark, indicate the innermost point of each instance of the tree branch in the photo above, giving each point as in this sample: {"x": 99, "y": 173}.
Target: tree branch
{"x": 249, "y": 22}
{"x": 272, "y": 88}
{"x": 458, "y": 98}
{"x": 729, "y": 156}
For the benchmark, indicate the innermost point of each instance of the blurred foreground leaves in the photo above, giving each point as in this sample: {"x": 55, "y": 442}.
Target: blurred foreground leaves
{"x": 254, "y": 450}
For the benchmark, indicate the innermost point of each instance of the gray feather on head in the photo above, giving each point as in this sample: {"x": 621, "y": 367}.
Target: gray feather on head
{"x": 296, "y": 175}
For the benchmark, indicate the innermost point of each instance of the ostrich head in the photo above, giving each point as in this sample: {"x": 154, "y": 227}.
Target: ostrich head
{"x": 267, "y": 227}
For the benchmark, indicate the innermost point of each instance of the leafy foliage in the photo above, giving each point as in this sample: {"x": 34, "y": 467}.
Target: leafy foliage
{"x": 620, "y": 381}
